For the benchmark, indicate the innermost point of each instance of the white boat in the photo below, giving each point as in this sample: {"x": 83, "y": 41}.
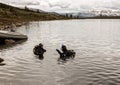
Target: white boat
{"x": 12, "y": 35}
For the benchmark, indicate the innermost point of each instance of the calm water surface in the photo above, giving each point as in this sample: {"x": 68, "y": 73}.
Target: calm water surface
{"x": 97, "y": 47}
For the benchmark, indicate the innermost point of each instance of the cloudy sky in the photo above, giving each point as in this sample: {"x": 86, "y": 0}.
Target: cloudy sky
{"x": 66, "y": 5}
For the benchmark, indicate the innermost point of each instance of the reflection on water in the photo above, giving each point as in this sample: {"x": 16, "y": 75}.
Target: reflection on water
{"x": 97, "y": 47}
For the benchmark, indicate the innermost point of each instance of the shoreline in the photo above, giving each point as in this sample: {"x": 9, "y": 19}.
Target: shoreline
{"x": 7, "y": 27}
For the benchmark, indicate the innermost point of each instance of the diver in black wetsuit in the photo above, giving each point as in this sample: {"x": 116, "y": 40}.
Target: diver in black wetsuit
{"x": 39, "y": 50}
{"x": 65, "y": 54}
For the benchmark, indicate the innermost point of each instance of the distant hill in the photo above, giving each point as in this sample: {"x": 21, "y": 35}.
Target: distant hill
{"x": 9, "y": 15}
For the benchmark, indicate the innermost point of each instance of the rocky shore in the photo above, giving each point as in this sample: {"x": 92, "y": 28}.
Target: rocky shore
{"x": 10, "y": 26}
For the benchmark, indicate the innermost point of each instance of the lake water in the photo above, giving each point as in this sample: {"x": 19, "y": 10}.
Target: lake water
{"x": 95, "y": 41}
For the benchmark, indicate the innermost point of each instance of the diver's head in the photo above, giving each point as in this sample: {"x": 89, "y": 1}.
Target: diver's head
{"x": 41, "y": 45}
{"x": 64, "y": 48}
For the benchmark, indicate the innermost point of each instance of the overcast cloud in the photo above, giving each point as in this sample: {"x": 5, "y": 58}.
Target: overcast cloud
{"x": 66, "y": 5}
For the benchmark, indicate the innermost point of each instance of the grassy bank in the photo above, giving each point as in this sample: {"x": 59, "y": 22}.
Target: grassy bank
{"x": 9, "y": 15}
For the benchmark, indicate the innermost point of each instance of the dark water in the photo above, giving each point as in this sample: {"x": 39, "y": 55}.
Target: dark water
{"x": 97, "y": 61}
